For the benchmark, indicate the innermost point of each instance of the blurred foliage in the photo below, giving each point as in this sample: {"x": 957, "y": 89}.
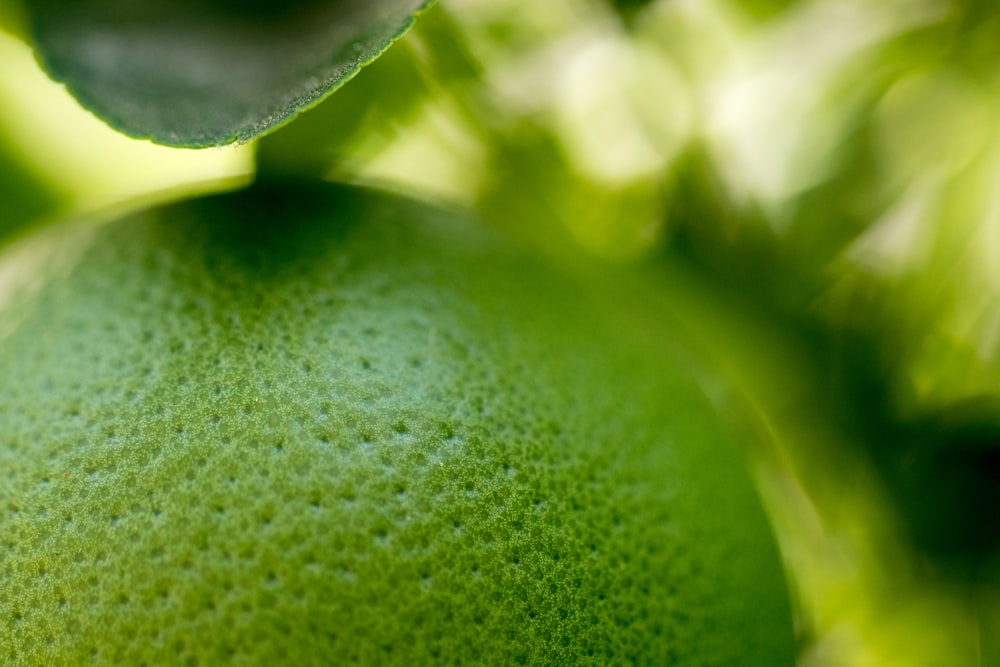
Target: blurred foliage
{"x": 811, "y": 188}
{"x": 25, "y": 195}
{"x": 629, "y": 8}
{"x": 12, "y": 19}
{"x": 957, "y": 454}
{"x": 327, "y": 134}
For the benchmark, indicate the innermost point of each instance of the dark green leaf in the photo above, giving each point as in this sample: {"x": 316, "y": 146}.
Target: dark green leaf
{"x": 187, "y": 73}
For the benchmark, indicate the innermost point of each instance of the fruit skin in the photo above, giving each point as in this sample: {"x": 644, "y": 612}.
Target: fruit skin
{"x": 320, "y": 425}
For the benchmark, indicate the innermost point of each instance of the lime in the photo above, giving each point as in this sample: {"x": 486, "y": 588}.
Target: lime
{"x": 322, "y": 425}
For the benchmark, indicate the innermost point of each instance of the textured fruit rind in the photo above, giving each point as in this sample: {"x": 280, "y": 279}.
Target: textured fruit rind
{"x": 325, "y": 426}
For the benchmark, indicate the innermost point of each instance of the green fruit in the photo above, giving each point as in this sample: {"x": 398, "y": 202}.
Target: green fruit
{"x": 322, "y": 426}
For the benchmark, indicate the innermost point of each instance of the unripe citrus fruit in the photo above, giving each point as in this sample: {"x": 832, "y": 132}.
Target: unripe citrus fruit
{"x": 314, "y": 426}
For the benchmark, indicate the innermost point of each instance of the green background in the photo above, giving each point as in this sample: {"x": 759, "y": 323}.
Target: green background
{"x": 811, "y": 188}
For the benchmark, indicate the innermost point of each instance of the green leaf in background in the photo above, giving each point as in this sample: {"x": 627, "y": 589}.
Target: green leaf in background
{"x": 195, "y": 74}
{"x": 12, "y": 17}
{"x": 24, "y": 196}
{"x": 322, "y": 138}
{"x": 758, "y": 10}
{"x": 945, "y": 473}
{"x": 762, "y": 10}
{"x": 627, "y": 9}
